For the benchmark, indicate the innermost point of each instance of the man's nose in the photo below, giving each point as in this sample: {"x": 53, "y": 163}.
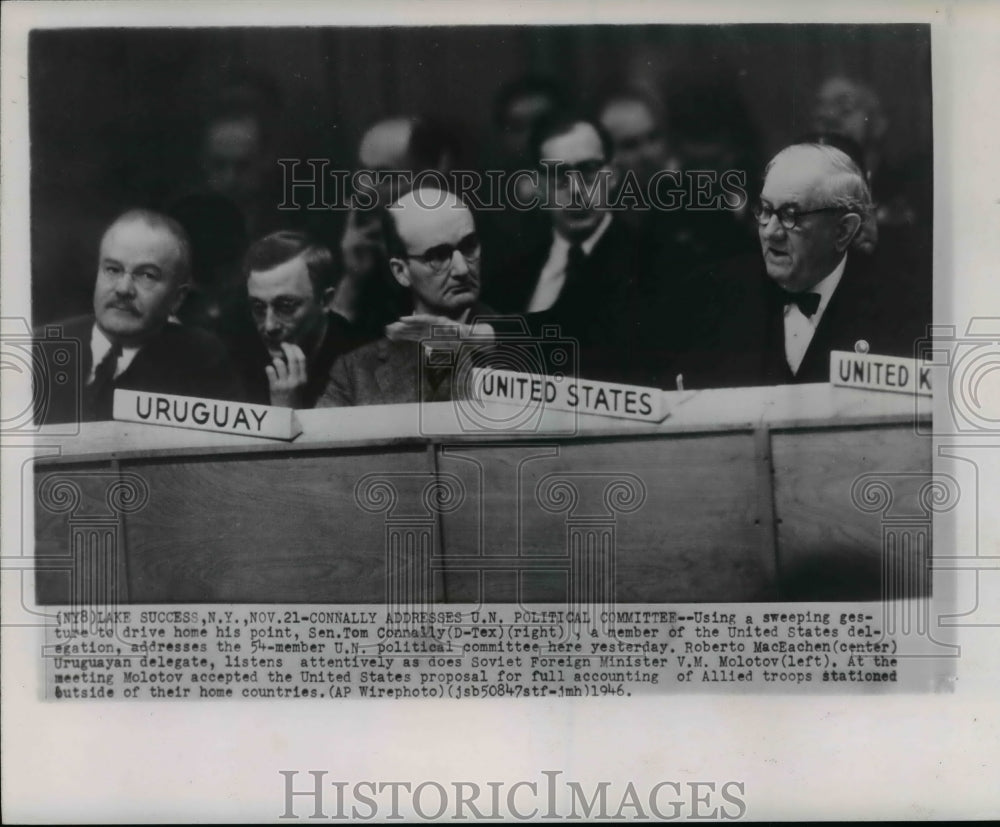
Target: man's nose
{"x": 459, "y": 265}
{"x": 125, "y": 286}
{"x": 575, "y": 189}
{"x": 271, "y": 323}
{"x": 772, "y": 228}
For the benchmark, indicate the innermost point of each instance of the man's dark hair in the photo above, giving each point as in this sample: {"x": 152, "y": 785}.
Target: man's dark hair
{"x": 560, "y": 124}
{"x": 431, "y": 141}
{"x": 526, "y": 87}
{"x": 278, "y": 248}
{"x": 216, "y": 229}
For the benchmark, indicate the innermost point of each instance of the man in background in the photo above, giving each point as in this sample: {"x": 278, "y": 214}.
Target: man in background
{"x": 585, "y": 274}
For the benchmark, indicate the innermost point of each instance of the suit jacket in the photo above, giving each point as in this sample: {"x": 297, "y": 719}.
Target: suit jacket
{"x": 386, "y": 372}
{"x": 740, "y": 338}
{"x": 179, "y": 360}
{"x": 600, "y": 306}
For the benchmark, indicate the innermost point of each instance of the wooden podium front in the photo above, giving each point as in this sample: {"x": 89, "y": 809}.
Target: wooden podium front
{"x": 739, "y": 495}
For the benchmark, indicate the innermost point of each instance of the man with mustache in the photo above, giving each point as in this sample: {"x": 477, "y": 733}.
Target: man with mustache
{"x": 132, "y": 342}
{"x": 434, "y": 253}
{"x": 775, "y": 321}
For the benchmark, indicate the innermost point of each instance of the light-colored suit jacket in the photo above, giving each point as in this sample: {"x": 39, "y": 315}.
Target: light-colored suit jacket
{"x": 384, "y": 372}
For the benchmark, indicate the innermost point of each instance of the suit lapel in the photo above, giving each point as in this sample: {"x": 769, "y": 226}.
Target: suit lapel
{"x": 843, "y": 318}
{"x": 774, "y": 367}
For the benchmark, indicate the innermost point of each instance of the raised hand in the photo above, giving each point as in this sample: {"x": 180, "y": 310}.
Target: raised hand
{"x": 286, "y": 376}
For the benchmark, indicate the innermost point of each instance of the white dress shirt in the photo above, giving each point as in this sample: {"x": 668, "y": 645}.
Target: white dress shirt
{"x": 99, "y": 347}
{"x": 800, "y": 328}
{"x": 553, "y": 275}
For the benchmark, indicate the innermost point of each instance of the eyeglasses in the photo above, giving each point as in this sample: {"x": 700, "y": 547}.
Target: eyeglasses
{"x": 282, "y": 307}
{"x": 788, "y": 214}
{"x": 441, "y": 257}
{"x": 586, "y": 171}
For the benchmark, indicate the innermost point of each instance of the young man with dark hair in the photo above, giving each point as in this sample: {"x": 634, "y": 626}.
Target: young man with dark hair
{"x": 289, "y": 288}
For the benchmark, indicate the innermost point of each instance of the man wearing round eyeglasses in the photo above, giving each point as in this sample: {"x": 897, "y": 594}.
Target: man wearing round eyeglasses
{"x": 434, "y": 253}
{"x": 290, "y": 288}
{"x": 813, "y": 295}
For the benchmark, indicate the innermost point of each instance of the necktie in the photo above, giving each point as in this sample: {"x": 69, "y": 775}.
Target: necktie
{"x": 808, "y": 303}
{"x": 574, "y": 263}
{"x": 100, "y": 393}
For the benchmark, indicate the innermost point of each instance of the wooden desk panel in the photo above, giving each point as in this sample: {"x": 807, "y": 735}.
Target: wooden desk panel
{"x": 262, "y": 529}
{"x": 830, "y": 532}
{"x": 488, "y": 516}
{"x": 682, "y": 516}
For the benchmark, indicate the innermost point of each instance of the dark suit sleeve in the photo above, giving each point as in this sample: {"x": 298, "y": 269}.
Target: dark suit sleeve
{"x": 215, "y": 376}
{"x": 339, "y": 392}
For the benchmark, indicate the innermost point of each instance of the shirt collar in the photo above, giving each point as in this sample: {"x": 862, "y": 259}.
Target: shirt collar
{"x": 826, "y": 287}
{"x": 591, "y": 241}
{"x": 100, "y": 345}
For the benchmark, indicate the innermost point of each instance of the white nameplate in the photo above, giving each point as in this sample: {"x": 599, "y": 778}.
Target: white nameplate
{"x": 206, "y": 414}
{"x": 880, "y": 373}
{"x": 569, "y": 394}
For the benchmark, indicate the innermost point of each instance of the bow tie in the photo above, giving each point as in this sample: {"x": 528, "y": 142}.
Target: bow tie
{"x": 808, "y": 303}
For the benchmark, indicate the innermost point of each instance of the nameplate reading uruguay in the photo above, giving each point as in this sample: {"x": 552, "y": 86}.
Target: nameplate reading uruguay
{"x": 206, "y": 414}
{"x": 569, "y": 394}
{"x": 881, "y": 373}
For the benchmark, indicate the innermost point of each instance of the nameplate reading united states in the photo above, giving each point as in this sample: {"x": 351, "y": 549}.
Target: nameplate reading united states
{"x": 569, "y": 394}
{"x": 881, "y": 373}
{"x": 206, "y": 414}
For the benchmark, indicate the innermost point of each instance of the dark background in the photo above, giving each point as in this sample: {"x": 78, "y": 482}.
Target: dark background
{"x": 115, "y": 115}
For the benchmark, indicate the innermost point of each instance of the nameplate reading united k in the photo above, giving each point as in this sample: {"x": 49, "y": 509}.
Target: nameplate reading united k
{"x": 206, "y": 414}
{"x": 569, "y": 394}
{"x": 881, "y": 373}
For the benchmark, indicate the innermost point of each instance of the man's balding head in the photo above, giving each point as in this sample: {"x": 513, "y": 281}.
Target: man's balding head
{"x": 828, "y": 191}
{"x": 434, "y": 251}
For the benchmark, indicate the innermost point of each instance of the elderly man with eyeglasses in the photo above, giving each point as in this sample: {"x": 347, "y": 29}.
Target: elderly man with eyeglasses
{"x": 434, "y": 253}
{"x": 775, "y": 320}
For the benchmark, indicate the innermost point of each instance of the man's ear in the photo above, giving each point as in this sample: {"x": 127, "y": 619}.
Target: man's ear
{"x": 326, "y": 299}
{"x": 400, "y": 271}
{"x": 179, "y": 295}
{"x": 847, "y": 229}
